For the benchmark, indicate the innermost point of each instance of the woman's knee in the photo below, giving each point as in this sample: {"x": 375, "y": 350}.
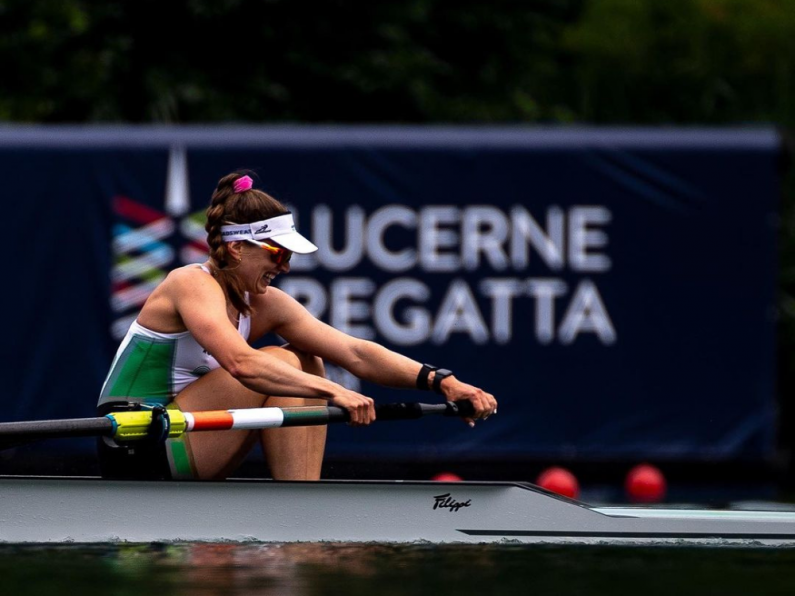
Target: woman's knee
{"x": 308, "y": 363}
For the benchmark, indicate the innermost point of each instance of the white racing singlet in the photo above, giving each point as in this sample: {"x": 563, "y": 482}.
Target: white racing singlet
{"x": 152, "y": 367}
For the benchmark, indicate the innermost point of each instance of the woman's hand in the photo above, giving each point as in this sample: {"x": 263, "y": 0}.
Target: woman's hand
{"x": 360, "y": 408}
{"x": 484, "y": 403}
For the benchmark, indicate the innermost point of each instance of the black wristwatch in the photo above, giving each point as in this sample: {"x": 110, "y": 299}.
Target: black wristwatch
{"x": 422, "y": 377}
{"x": 441, "y": 375}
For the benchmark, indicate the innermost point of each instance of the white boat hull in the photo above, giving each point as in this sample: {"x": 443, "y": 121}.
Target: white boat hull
{"x": 86, "y": 510}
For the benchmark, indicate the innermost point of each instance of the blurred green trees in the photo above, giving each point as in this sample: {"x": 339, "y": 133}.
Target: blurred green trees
{"x": 685, "y": 61}
{"x": 596, "y": 61}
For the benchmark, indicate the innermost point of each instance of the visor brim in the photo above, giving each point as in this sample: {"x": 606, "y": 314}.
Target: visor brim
{"x": 295, "y": 242}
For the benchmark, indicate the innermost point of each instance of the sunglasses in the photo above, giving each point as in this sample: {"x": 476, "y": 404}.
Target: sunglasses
{"x": 279, "y": 255}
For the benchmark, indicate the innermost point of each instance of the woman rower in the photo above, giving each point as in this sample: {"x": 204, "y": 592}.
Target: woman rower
{"x": 189, "y": 349}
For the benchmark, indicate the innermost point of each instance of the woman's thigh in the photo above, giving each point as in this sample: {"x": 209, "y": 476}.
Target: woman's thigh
{"x": 216, "y": 454}
{"x": 296, "y": 453}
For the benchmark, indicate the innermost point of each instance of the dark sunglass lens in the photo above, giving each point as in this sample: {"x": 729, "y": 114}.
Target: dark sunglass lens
{"x": 282, "y": 257}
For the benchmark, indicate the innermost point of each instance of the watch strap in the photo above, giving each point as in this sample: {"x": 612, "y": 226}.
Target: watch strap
{"x": 441, "y": 375}
{"x": 422, "y": 377}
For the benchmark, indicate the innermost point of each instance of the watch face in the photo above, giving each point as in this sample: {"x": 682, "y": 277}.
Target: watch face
{"x": 441, "y": 375}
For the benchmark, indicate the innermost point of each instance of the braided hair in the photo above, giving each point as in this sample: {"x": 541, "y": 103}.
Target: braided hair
{"x": 226, "y": 207}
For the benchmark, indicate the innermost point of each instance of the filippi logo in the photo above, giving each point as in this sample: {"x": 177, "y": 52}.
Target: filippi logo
{"x": 445, "y": 501}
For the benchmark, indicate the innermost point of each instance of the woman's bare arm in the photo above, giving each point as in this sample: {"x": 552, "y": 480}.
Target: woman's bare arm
{"x": 201, "y": 304}
{"x": 365, "y": 359}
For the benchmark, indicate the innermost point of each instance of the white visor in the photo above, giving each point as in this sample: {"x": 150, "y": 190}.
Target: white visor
{"x": 280, "y": 228}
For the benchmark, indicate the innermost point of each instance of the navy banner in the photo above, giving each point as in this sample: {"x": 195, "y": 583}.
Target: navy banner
{"x": 613, "y": 288}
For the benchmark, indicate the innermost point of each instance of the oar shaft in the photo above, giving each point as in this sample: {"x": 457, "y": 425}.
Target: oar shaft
{"x": 46, "y": 429}
{"x": 13, "y": 434}
{"x": 137, "y": 425}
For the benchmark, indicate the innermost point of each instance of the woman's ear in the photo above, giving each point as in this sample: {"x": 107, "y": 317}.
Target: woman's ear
{"x": 235, "y": 251}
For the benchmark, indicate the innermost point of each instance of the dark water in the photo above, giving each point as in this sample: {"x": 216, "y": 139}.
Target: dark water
{"x": 316, "y": 569}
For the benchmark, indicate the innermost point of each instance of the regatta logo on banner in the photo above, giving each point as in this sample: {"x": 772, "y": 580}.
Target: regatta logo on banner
{"x": 143, "y": 241}
{"x": 141, "y": 258}
{"x": 564, "y": 244}
{"x": 143, "y": 255}
{"x": 195, "y": 248}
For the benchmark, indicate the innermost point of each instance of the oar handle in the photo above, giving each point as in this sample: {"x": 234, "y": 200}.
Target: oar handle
{"x": 409, "y": 411}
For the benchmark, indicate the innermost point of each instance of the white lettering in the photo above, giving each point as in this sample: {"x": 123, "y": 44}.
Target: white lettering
{"x": 545, "y": 291}
{"x": 323, "y": 236}
{"x": 587, "y": 312}
{"x": 346, "y": 311}
{"x": 450, "y": 239}
{"x": 484, "y": 230}
{"x": 459, "y": 313}
{"x": 415, "y": 327}
{"x": 400, "y": 312}
{"x": 549, "y": 246}
{"x": 381, "y": 256}
{"x": 502, "y": 292}
{"x": 433, "y": 238}
{"x": 581, "y": 238}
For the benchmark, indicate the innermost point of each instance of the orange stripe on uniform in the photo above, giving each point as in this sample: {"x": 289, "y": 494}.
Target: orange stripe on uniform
{"x": 214, "y": 420}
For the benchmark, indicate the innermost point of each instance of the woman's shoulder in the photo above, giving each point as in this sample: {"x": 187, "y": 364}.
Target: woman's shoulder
{"x": 188, "y": 275}
{"x": 190, "y": 271}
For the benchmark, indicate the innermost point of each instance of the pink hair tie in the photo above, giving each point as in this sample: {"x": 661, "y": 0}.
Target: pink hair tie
{"x": 243, "y": 184}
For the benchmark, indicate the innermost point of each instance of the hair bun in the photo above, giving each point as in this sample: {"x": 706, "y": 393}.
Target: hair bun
{"x": 243, "y": 184}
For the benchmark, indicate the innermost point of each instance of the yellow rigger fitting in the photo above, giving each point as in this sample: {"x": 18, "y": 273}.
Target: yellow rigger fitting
{"x": 178, "y": 423}
{"x": 132, "y": 426}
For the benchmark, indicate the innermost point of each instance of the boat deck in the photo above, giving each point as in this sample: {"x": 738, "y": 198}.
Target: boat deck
{"x": 59, "y": 509}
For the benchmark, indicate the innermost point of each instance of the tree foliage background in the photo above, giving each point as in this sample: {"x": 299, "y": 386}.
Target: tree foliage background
{"x": 553, "y": 61}
{"x": 627, "y": 62}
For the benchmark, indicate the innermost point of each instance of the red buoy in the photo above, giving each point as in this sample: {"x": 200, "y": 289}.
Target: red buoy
{"x": 447, "y": 477}
{"x": 645, "y": 484}
{"x": 559, "y": 480}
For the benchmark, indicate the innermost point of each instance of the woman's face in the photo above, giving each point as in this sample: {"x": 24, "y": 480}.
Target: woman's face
{"x": 258, "y": 266}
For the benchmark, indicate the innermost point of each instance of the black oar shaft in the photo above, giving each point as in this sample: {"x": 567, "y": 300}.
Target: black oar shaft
{"x": 17, "y": 433}
{"x": 43, "y": 429}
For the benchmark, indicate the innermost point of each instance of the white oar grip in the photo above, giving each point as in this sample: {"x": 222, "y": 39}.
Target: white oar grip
{"x": 245, "y": 419}
{"x": 257, "y": 418}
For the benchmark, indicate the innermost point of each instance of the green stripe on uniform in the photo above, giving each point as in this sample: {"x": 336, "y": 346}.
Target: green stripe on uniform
{"x": 181, "y": 468}
{"x": 144, "y": 370}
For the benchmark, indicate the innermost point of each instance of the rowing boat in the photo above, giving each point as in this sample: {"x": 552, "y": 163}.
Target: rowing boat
{"x": 90, "y": 510}
{"x": 70, "y": 509}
